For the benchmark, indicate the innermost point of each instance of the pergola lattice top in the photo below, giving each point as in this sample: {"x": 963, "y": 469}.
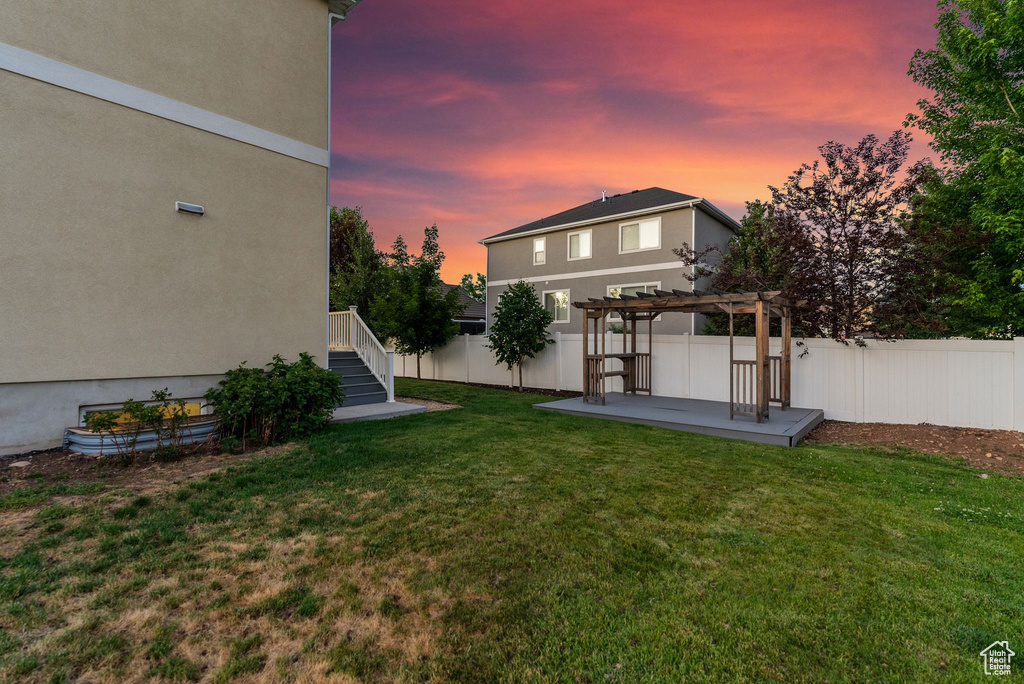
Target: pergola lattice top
{"x": 681, "y": 301}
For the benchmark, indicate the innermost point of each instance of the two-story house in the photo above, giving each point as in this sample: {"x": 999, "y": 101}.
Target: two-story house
{"x": 613, "y": 245}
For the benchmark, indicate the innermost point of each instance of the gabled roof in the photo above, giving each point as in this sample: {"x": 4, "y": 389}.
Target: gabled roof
{"x": 624, "y": 205}
{"x": 474, "y": 311}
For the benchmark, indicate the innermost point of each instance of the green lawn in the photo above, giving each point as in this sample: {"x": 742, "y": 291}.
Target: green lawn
{"x": 497, "y": 542}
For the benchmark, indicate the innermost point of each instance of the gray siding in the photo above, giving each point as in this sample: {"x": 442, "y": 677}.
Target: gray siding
{"x": 597, "y": 286}
{"x": 709, "y": 231}
{"x": 511, "y": 260}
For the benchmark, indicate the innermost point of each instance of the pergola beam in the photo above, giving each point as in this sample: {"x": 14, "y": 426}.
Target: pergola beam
{"x": 684, "y": 302}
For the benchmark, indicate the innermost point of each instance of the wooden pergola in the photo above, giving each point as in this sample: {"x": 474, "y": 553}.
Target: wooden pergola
{"x": 752, "y": 384}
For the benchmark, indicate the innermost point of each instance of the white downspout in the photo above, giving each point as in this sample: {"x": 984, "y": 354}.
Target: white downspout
{"x": 391, "y": 376}
{"x": 332, "y": 19}
{"x": 487, "y": 280}
{"x": 693, "y": 268}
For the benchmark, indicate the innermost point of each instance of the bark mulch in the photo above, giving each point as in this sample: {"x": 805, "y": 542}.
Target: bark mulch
{"x": 1001, "y": 450}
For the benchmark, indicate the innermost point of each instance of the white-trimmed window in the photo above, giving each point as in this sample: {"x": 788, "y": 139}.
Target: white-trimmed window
{"x": 540, "y": 253}
{"x": 640, "y": 235}
{"x": 631, "y": 289}
{"x": 580, "y": 245}
{"x": 557, "y": 302}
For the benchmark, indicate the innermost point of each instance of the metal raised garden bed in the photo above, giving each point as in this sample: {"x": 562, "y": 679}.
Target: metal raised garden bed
{"x": 83, "y": 441}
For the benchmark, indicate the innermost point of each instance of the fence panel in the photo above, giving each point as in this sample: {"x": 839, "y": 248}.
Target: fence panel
{"x": 944, "y": 382}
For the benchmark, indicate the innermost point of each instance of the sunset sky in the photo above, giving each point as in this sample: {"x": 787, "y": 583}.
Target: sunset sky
{"x": 481, "y": 116}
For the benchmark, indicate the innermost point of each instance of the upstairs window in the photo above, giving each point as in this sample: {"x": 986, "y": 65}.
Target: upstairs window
{"x": 557, "y": 302}
{"x": 539, "y": 252}
{"x": 579, "y": 245}
{"x": 640, "y": 235}
{"x": 619, "y": 290}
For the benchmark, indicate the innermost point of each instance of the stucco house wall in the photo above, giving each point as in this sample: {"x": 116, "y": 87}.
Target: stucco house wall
{"x": 106, "y": 289}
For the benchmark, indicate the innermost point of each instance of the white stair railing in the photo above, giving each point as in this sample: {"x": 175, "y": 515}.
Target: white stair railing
{"x": 339, "y": 328}
{"x": 348, "y": 332}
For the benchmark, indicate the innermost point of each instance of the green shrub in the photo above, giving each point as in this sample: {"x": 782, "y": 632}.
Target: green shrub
{"x": 169, "y": 421}
{"x": 285, "y": 401}
{"x": 166, "y": 416}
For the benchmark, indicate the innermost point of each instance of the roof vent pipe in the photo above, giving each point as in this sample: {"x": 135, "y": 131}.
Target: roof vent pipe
{"x": 603, "y": 198}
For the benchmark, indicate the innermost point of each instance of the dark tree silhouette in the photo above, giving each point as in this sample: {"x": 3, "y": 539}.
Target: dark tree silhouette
{"x": 830, "y": 238}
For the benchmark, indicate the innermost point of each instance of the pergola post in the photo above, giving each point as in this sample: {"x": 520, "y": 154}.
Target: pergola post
{"x": 586, "y": 352}
{"x": 604, "y": 388}
{"x": 761, "y": 359}
{"x": 629, "y": 326}
{"x": 632, "y": 335}
{"x": 732, "y": 369}
{"x": 649, "y": 372}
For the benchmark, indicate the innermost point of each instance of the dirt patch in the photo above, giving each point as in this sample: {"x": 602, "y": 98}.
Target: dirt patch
{"x": 430, "y": 404}
{"x": 59, "y": 465}
{"x": 1001, "y": 450}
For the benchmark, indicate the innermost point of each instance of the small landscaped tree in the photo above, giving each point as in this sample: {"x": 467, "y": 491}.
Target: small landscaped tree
{"x": 413, "y": 310}
{"x": 520, "y": 327}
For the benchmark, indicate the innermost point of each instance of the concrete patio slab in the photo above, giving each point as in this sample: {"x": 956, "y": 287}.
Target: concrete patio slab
{"x": 783, "y": 428}
{"x": 351, "y": 414}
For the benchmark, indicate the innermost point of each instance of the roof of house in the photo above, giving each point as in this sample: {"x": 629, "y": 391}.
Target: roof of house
{"x": 342, "y": 7}
{"x": 475, "y": 311}
{"x": 625, "y": 204}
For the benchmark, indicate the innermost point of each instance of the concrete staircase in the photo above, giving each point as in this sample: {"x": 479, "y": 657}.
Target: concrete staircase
{"x": 361, "y": 387}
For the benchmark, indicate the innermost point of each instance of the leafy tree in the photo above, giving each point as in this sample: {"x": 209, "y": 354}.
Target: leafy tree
{"x": 346, "y": 223}
{"x": 520, "y": 327}
{"x": 850, "y": 208}
{"x": 938, "y": 249}
{"x": 830, "y": 237}
{"x": 767, "y": 253}
{"x": 414, "y": 311}
{"x": 357, "y": 267}
{"x": 968, "y": 230}
{"x": 475, "y": 287}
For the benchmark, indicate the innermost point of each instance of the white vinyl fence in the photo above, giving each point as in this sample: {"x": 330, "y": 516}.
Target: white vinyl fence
{"x": 944, "y": 382}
